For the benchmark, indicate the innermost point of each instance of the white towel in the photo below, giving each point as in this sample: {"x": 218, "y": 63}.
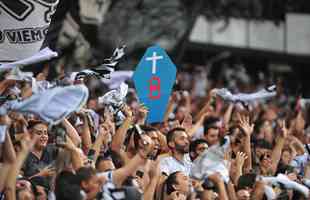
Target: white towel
{"x": 51, "y": 105}
{"x": 225, "y": 94}
{"x": 115, "y": 97}
{"x": 287, "y": 183}
{"x": 43, "y": 55}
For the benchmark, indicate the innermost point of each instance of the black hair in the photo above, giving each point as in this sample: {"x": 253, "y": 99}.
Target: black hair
{"x": 69, "y": 192}
{"x": 171, "y": 133}
{"x": 170, "y": 182}
{"x": 258, "y": 125}
{"x": 210, "y": 123}
{"x": 246, "y": 180}
{"x": 84, "y": 174}
{"x": 261, "y": 143}
{"x": 193, "y": 145}
{"x": 282, "y": 168}
{"x": 128, "y": 181}
{"x": 65, "y": 176}
{"x": 101, "y": 158}
{"x": 147, "y": 128}
{"x": 129, "y": 133}
{"x": 66, "y": 187}
{"x": 116, "y": 159}
{"x": 33, "y": 123}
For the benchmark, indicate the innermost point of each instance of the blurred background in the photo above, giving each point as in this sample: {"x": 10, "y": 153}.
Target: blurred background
{"x": 214, "y": 43}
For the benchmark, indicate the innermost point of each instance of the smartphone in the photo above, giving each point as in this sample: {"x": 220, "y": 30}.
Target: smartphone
{"x": 60, "y": 136}
{"x": 140, "y": 173}
{"x": 91, "y": 154}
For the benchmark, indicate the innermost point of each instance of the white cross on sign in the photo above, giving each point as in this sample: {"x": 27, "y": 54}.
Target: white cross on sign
{"x": 154, "y": 58}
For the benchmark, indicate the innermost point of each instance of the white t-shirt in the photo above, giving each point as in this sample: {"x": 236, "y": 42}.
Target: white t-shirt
{"x": 170, "y": 165}
{"x": 24, "y": 25}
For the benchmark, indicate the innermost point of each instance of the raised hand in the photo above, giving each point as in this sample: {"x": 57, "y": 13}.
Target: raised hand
{"x": 19, "y": 118}
{"x": 187, "y": 122}
{"x": 283, "y": 129}
{"x": 142, "y": 111}
{"x": 142, "y": 114}
{"x": 127, "y": 111}
{"x": 300, "y": 123}
{"x": 240, "y": 158}
{"x": 108, "y": 120}
{"x": 146, "y": 146}
{"x": 244, "y": 124}
{"x": 175, "y": 97}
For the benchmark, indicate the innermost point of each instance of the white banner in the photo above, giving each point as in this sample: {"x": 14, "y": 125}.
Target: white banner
{"x": 24, "y": 25}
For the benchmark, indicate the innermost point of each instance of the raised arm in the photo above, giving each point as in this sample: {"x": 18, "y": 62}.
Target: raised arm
{"x": 238, "y": 163}
{"x": 188, "y": 100}
{"x": 244, "y": 123}
{"x": 231, "y": 191}
{"x": 9, "y": 154}
{"x": 72, "y": 133}
{"x": 26, "y": 146}
{"x": 142, "y": 114}
{"x": 259, "y": 191}
{"x": 277, "y": 151}
{"x": 170, "y": 107}
{"x": 85, "y": 135}
{"x": 227, "y": 115}
{"x": 120, "y": 135}
{"x": 191, "y": 132}
{"x": 139, "y": 159}
{"x": 99, "y": 141}
{"x": 76, "y": 159}
{"x": 9, "y": 158}
{"x": 216, "y": 179}
{"x": 297, "y": 145}
{"x": 154, "y": 179}
{"x": 206, "y": 107}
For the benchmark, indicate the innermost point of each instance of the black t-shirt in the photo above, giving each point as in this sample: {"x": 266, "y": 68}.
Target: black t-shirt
{"x": 33, "y": 164}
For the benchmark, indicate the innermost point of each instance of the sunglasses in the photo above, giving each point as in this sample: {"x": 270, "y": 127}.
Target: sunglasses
{"x": 265, "y": 156}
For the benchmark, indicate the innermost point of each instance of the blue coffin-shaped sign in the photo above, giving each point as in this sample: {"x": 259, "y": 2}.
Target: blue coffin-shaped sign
{"x": 154, "y": 78}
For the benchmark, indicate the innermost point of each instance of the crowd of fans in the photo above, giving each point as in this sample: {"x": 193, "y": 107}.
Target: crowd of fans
{"x": 92, "y": 154}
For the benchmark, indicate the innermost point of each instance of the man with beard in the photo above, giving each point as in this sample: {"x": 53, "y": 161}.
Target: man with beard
{"x": 179, "y": 160}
